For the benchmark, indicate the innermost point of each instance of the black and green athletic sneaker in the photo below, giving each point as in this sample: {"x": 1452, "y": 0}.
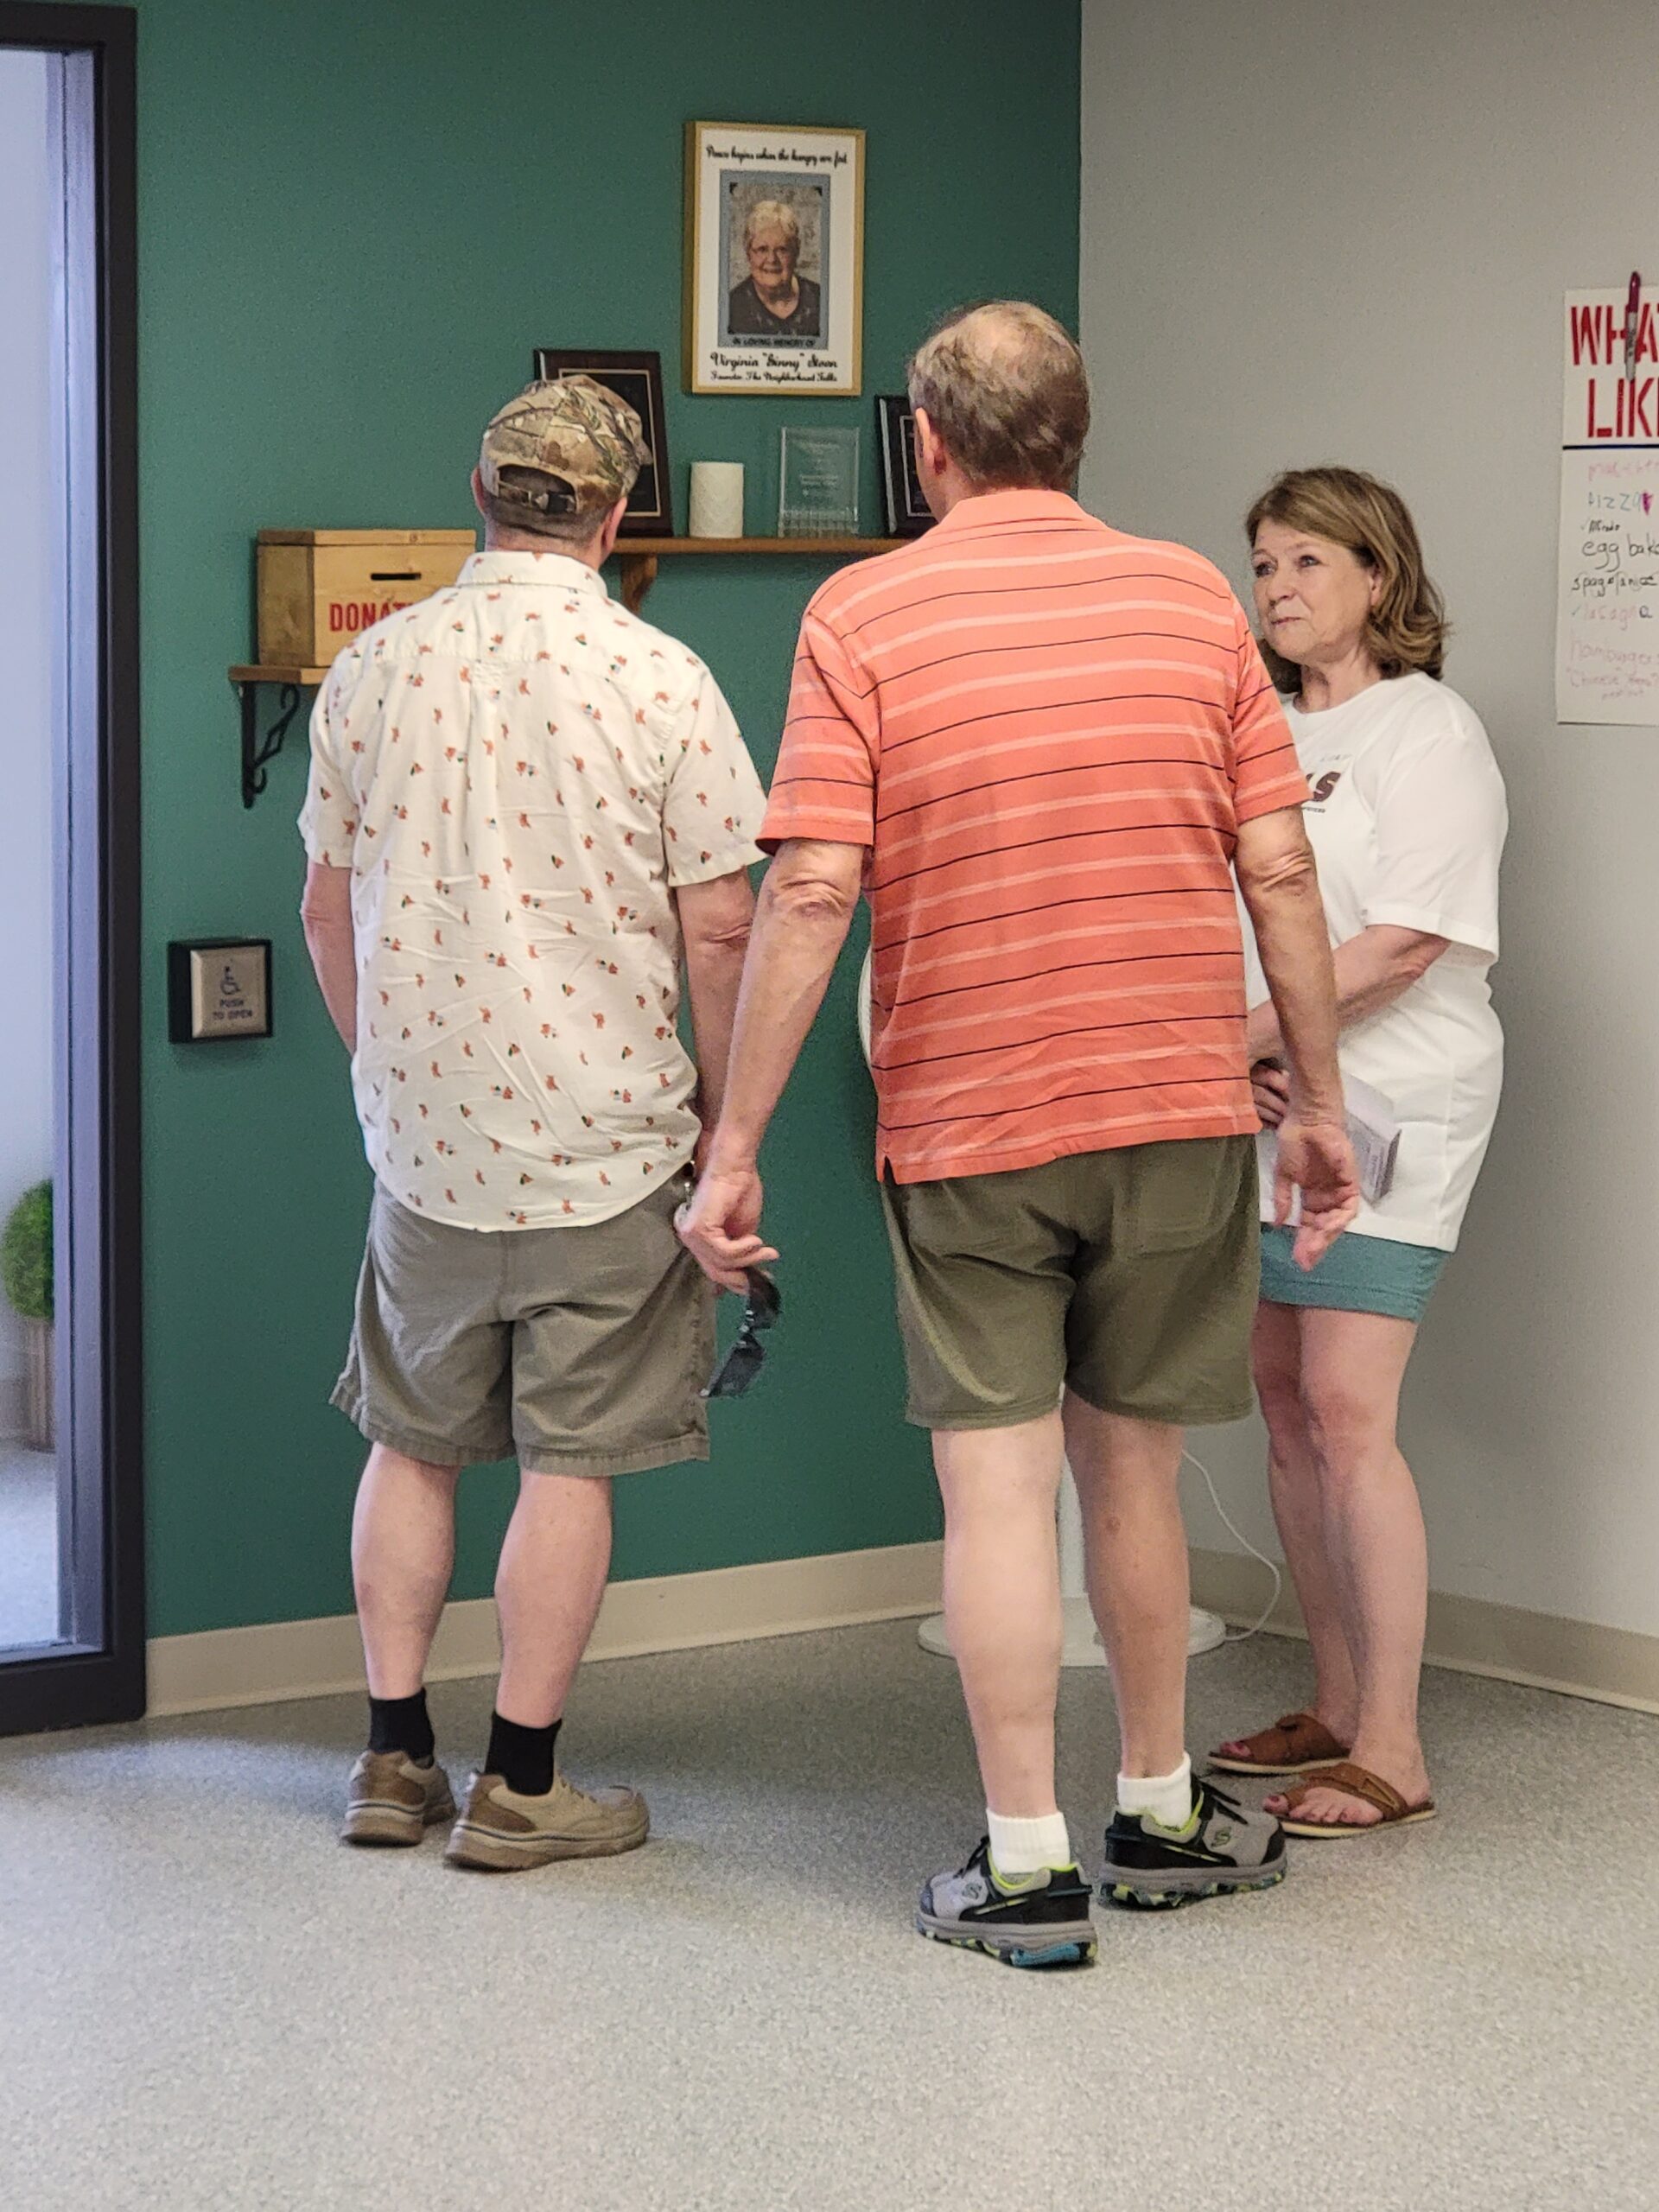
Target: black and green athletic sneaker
{"x": 1222, "y": 1847}
{"x": 1025, "y": 1920}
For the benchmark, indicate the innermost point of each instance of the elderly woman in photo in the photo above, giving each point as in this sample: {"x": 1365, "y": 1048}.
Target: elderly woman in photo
{"x": 1407, "y": 821}
{"x": 775, "y": 301}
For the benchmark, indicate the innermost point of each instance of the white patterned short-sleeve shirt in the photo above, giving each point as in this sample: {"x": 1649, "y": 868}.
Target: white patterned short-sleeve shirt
{"x": 519, "y": 774}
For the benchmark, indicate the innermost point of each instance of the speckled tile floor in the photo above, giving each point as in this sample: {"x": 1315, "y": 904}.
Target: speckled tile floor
{"x": 206, "y": 2003}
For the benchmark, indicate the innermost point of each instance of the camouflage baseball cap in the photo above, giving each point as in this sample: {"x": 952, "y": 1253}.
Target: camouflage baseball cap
{"x": 567, "y": 445}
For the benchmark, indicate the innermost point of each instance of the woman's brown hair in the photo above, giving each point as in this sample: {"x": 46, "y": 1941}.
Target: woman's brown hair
{"x": 1408, "y": 629}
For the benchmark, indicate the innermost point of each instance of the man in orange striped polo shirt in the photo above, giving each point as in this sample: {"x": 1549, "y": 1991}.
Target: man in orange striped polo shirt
{"x": 1043, "y": 747}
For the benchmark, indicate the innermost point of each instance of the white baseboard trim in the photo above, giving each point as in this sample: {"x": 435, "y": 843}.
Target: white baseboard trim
{"x": 220, "y": 1667}
{"x": 1472, "y": 1636}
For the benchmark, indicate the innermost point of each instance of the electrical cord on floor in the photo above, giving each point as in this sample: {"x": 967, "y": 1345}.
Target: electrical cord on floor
{"x": 1242, "y": 1634}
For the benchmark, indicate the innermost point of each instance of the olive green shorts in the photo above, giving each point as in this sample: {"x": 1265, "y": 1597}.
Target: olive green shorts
{"x": 1128, "y": 1276}
{"x": 581, "y": 1351}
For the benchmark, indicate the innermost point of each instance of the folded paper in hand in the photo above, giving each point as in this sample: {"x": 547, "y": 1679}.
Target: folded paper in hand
{"x": 1374, "y": 1132}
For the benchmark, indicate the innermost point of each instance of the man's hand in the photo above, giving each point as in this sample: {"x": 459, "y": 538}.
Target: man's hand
{"x": 719, "y": 1226}
{"x": 1316, "y": 1159}
{"x": 1270, "y": 1089}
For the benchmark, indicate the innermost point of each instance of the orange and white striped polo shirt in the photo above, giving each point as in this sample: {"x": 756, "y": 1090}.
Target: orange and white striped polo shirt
{"x": 1048, "y": 733}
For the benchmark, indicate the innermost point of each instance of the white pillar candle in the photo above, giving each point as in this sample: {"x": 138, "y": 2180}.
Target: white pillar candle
{"x": 716, "y": 498}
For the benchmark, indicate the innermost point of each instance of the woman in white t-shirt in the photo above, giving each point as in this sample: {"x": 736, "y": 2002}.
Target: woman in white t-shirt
{"x": 1407, "y": 821}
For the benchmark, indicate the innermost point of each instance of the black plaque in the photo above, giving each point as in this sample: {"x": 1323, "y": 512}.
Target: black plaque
{"x": 636, "y": 377}
{"x": 905, "y": 513}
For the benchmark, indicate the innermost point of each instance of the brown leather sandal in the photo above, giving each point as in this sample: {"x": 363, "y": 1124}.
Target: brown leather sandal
{"x": 1296, "y": 1744}
{"x": 1353, "y": 1781}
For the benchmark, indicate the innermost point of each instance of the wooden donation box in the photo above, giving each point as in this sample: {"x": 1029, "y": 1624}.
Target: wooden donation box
{"x": 320, "y": 588}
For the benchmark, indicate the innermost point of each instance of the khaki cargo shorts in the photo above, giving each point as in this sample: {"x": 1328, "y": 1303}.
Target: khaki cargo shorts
{"x": 582, "y": 1352}
{"x": 1128, "y": 1276}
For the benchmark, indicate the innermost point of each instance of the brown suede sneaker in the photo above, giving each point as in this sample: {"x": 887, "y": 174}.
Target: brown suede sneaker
{"x": 504, "y": 1831}
{"x": 390, "y": 1799}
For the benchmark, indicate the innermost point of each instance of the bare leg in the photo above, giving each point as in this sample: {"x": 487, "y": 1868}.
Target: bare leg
{"x": 1134, "y": 1549}
{"x": 548, "y": 1588}
{"x": 403, "y": 1556}
{"x": 1299, "y": 1511}
{"x": 1352, "y": 1368}
{"x": 1002, "y": 1601}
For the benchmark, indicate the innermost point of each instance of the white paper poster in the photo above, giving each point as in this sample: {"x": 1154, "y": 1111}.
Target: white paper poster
{"x": 1607, "y": 608}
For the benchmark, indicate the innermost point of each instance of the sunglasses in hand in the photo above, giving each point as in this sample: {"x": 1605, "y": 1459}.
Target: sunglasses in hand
{"x": 762, "y": 1303}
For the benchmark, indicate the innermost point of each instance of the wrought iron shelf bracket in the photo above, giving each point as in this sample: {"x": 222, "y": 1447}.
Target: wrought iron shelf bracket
{"x": 258, "y": 752}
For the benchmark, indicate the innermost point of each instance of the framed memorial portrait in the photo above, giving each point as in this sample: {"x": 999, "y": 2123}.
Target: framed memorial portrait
{"x": 904, "y": 513}
{"x": 774, "y": 259}
{"x": 636, "y": 377}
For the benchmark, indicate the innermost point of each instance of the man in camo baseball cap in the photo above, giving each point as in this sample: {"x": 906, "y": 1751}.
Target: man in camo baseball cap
{"x": 523, "y": 1291}
{"x": 564, "y": 451}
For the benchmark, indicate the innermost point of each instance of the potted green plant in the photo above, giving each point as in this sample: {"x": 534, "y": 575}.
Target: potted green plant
{"x": 26, "y": 1272}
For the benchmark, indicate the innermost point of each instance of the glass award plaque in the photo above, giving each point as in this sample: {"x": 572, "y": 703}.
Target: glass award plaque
{"x": 817, "y": 484}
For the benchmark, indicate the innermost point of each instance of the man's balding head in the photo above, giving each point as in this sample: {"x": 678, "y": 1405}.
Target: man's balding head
{"x": 1004, "y": 386}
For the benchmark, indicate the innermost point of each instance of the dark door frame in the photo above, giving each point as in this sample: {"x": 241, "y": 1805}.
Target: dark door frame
{"x": 97, "y": 1673}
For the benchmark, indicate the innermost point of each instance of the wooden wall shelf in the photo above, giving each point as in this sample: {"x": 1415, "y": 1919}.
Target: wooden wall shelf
{"x": 309, "y": 678}
{"x": 637, "y": 557}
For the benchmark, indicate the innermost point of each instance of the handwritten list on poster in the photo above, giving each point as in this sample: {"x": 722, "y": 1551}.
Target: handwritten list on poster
{"x": 1607, "y": 608}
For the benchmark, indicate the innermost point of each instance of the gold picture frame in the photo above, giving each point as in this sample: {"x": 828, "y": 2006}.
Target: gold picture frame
{"x": 774, "y": 260}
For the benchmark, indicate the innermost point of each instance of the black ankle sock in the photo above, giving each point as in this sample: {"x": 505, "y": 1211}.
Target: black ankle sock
{"x": 522, "y": 1757}
{"x": 400, "y": 1724}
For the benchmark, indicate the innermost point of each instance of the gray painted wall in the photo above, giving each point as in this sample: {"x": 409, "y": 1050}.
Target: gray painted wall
{"x": 1314, "y": 230}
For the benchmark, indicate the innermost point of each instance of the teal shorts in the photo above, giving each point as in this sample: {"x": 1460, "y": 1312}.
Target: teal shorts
{"x": 1358, "y": 1274}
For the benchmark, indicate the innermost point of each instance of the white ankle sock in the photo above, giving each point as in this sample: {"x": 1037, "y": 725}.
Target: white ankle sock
{"x": 1167, "y": 1797}
{"x": 1026, "y": 1847}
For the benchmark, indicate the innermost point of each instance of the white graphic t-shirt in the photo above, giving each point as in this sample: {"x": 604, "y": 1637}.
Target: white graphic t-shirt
{"x": 1407, "y": 820}
{"x": 519, "y": 773}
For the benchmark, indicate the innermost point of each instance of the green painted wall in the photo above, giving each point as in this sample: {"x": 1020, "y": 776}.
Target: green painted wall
{"x": 356, "y": 223}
